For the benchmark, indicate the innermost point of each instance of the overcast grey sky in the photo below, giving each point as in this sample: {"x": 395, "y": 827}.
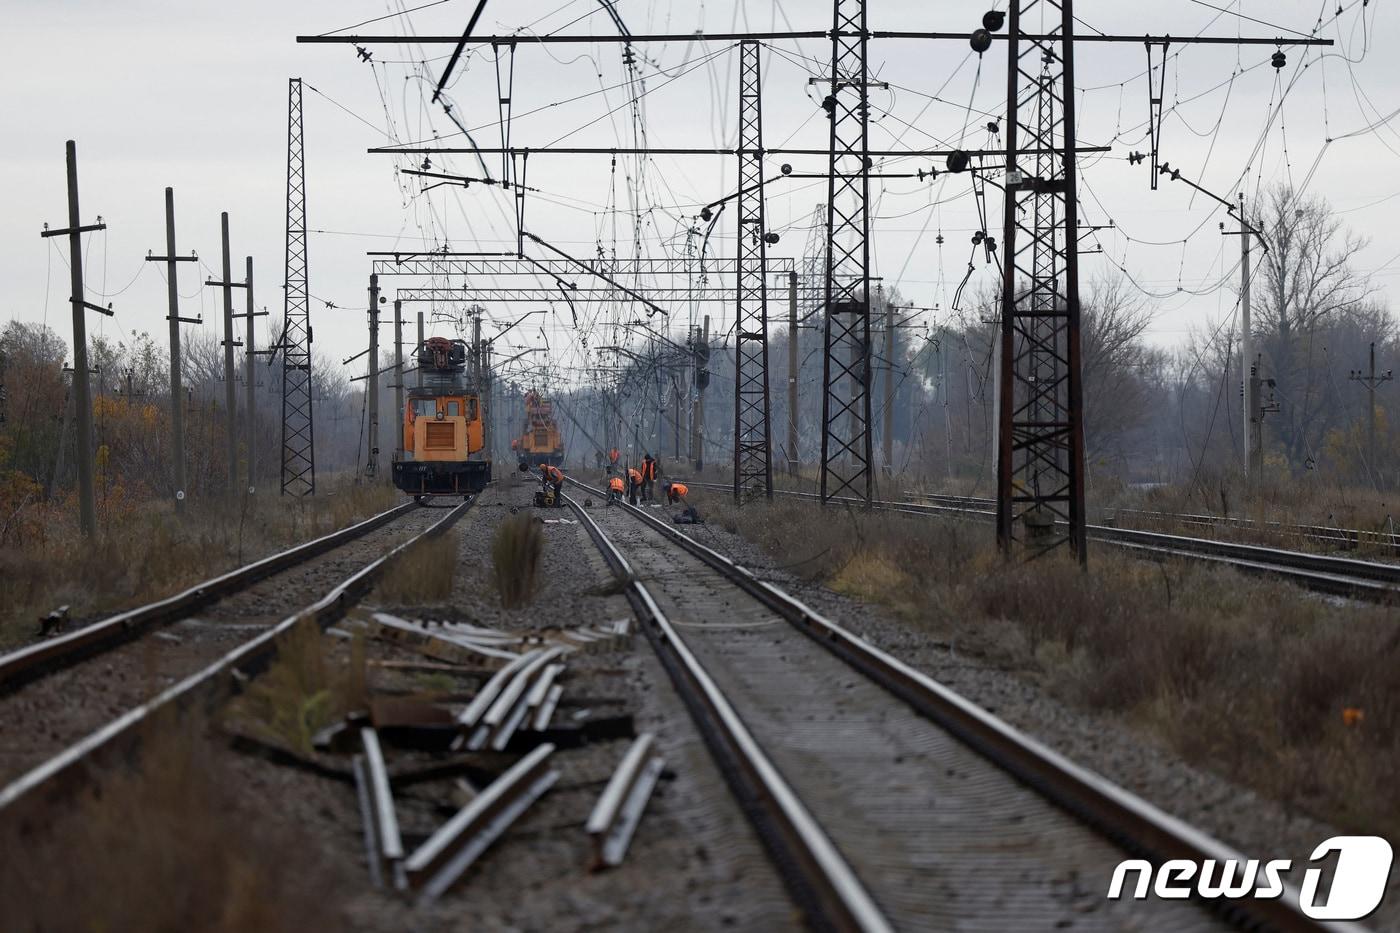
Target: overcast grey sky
{"x": 193, "y": 95}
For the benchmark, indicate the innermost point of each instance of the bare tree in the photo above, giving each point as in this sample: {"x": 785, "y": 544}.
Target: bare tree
{"x": 1306, "y": 281}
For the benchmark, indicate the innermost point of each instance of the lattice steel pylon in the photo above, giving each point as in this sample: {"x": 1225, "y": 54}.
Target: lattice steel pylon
{"x": 298, "y": 448}
{"x": 1040, "y": 463}
{"x": 753, "y": 442}
{"x": 846, "y": 441}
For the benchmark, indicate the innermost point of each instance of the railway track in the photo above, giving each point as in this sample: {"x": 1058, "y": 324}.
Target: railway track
{"x": 50, "y": 655}
{"x": 1332, "y": 535}
{"x": 94, "y": 715}
{"x": 1338, "y": 576}
{"x": 887, "y": 800}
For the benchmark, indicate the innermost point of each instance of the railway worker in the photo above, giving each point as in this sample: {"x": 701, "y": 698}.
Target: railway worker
{"x": 648, "y": 477}
{"x": 634, "y": 484}
{"x": 613, "y": 456}
{"x": 552, "y": 477}
{"x": 616, "y": 487}
{"x": 675, "y": 492}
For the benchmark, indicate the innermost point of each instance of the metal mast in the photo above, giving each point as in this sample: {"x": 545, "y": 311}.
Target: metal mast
{"x": 1040, "y": 466}
{"x": 753, "y": 461}
{"x": 846, "y": 447}
{"x": 298, "y": 450}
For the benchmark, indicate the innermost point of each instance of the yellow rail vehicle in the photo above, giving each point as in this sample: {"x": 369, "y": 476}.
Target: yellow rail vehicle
{"x": 443, "y": 427}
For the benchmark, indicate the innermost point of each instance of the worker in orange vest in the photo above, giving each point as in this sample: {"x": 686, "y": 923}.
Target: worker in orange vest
{"x": 648, "y": 477}
{"x": 675, "y": 492}
{"x": 634, "y": 484}
{"x": 552, "y": 476}
{"x": 613, "y": 455}
{"x": 616, "y": 487}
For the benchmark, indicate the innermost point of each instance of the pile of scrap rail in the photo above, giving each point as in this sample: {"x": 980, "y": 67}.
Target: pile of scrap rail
{"x": 512, "y": 713}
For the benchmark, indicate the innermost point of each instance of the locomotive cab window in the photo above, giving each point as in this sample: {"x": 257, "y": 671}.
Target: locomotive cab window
{"x": 454, "y": 408}
{"x": 425, "y": 406}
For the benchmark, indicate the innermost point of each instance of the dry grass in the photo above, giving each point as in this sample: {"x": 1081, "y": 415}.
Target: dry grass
{"x": 153, "y": 552}
{"x": 163, "y": 846}
{"x": 306, "y": 689}
{"x": 423, "y": 575}
{"x": 515, "y": 557}
{"x": 1244, "y": 676}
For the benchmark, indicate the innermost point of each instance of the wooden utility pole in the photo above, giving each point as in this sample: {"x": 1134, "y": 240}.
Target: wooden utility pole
{"x": 794, "y": 462}
{"x": 372, "y": 388}
{"x": 1371, "y": 381}
{"x": 177, "y": 391}
{"x": 230, "y": 397}
{"x": 250, "y": 352}
{"x": 87, "y": 509}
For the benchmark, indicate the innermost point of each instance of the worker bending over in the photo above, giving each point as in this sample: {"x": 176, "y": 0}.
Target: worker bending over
{"x": 634, "y": 484}
{"x": 675, "y": 492}
{"x": 616, "y": 487}
{"x": 551, "y": 477}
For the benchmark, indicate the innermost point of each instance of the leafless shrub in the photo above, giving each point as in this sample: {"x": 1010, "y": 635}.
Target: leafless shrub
{"x": 423, "y": 575}
{"x": 515, "y": 555}
{"x": 161, "y": 843}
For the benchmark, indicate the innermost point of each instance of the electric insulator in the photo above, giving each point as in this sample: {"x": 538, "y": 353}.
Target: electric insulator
{"x": 786, "y": 169}
{"x": 705, "y": 213}
{"x": 1279, "y": 59}
{"x": 957, "y": 161}
{"x": 980, "y": 41}
{"x": 770, "y": 238}
{"x": 829, "y": 104}
{"x": 992, "y": 20}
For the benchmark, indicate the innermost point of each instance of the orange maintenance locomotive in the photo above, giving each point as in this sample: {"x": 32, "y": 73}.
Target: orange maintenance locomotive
{"x": 443, "y": 426}
{"x": 540, "y": 442}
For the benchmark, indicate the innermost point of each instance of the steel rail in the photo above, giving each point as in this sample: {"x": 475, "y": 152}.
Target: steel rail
{"x": 1121, "y": 816}
{"x": 817, "y": 874}
{"x": 31, "y": 662}
{"x": 21, "y": 801}
{"x": 1347, "y": 538}
{"x": 1338, "y": 576}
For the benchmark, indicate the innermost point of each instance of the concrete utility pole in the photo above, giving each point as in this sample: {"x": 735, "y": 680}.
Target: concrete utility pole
{"x": 1371, "y": 381}
{"x": 702, "y": 379}
{"x": 1253, "y": 427}
{"x": 888, "y": 427}
{"x": 372, "y": 386}
{"x": 177, "y": 391}
{"x": 87, "y": 509}
{"x": 487, "y": 389}
{"x": 398, "y": 381}
{"x": 421, "y": 338}
{"x": 793, "y": 460}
